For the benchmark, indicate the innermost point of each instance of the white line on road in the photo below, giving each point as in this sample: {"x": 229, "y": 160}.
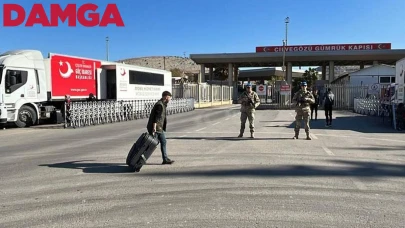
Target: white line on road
{"x": 7, "y": 133}
{"x": 358, "y": 184}
{"x": 314, "y": 136}
{"x": 287, "y": 133}
{"x": 328, "y": 151}
{"x": 182, "y": 132}
{"x": 181, "y": 136}
{"x": 360, "y": 137}
{"x": 227, "y": 119}
{"x": 215, "y": 123}
{"x": 201, "y": 129}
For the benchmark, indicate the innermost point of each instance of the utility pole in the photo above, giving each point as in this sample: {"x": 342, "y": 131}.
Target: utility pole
{"x": 106, "y": 40}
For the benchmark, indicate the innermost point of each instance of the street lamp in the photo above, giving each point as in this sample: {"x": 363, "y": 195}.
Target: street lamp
{"x": 284, "y": 60}
{"x": 106, "y": 41}
{"x": 286, "y": 20}
{"x": 184, "y": 64}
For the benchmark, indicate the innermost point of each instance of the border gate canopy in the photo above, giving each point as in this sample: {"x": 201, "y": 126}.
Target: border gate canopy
{"x": 306, "y": 55}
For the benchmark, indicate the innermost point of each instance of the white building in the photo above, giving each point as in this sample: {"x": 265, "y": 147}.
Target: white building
{"x": 377, "y": 74}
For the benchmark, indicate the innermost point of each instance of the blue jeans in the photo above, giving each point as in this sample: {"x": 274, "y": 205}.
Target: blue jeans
{"x": 162, "y": 139}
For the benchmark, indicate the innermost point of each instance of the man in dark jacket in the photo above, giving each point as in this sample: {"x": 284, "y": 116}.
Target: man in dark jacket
{"x": 157, "y": 123}
{"x": 329, "y": 101}
{"x": 314, "y": 106}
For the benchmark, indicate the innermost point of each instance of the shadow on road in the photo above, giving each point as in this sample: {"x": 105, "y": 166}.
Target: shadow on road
{"x": 247, "y": 137}
{"x": 351, "y": 169}
{"x": 89, "y": 167}
{"x": 364, "y": 124}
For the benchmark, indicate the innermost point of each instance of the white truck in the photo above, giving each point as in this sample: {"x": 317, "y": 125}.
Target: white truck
{"x": 34, "y": 88}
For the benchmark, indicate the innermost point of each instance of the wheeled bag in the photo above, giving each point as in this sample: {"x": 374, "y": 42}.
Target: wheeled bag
{"x": 141, "y": 150}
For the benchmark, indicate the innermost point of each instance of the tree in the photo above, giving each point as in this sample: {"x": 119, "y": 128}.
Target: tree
{"x": 176, "y": 72}
{"x": 221, "y": 73}
{"x": 310, "y": 76}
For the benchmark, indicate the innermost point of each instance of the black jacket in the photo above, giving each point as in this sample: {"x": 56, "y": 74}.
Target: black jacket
{"x": 158, "y": 116}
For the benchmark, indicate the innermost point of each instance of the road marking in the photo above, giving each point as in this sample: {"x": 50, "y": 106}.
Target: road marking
{"x": 235, "y": 115}
{"x": 328, "y": 151}
{"x": 227, "y": 119}
{"x": 181, "y": 136}
{"x": 215, "y": 123}
{"x": 358, "y": 184}
{"x": 237, "y": 130}
{"x": 201, "y": 129}
{"x": 15, "y": 133}
{"x": 360, "y": 137}
{"x": 314, "y": 136}
{"x": 287, "y": 133}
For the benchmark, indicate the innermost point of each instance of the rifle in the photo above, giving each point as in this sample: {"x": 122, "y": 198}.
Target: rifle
{"x": 251, "y": 101}
{"x": 300, "y": 100}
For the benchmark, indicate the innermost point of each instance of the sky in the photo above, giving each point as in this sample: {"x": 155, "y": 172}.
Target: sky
{"x": 170, "y": 28}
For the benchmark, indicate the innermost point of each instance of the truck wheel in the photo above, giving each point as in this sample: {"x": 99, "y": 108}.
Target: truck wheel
{"x": 26, "y": 117}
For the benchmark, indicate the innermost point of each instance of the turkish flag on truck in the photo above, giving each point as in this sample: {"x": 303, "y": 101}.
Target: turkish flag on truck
{"x": 73, "y": 76}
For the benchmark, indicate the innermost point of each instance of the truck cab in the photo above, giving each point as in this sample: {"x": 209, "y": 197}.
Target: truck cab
{"x": 22, "y": 86}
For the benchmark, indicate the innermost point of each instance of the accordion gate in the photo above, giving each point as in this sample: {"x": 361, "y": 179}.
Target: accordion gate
{"x": 81, "y": 114}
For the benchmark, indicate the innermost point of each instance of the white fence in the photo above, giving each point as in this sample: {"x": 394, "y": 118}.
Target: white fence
{"x": 203, "y": 93}
{"x": 277, "y": 98}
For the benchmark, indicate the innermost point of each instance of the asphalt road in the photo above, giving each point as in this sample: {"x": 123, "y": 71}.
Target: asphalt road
{"x": 350, "y": 175}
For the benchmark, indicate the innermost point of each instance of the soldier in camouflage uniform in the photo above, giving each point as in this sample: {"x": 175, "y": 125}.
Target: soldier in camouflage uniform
{"x": 249, "y": 101}
{"x": 303, "y": 99}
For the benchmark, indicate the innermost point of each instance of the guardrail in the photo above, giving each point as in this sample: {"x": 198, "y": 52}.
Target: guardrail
{"x": 81, "y": 114}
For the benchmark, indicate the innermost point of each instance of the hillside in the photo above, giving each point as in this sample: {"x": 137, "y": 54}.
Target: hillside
{"x": 165, "y": 63}
{"x": 189, "y": 66}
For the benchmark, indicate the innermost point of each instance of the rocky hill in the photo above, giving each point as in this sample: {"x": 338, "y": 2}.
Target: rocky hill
{"x": 165, "y": 63}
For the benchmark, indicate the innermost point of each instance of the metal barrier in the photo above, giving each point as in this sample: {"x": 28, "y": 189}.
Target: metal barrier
{"x": 366, "y": 106}
{"x": 277, "y": 98}
{"x": 376, "y": 107}
{"x": 81, "y": 114}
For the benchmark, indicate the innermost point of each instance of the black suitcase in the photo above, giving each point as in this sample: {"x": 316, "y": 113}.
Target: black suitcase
{"x": 141, "y": 151}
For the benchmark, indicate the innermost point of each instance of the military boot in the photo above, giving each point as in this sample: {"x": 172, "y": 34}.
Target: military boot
{"x": 296, "y": 135}
{"x": 240, "y": 134}
{"x": 252, "y": 134}
{"x": 308, "y": 137}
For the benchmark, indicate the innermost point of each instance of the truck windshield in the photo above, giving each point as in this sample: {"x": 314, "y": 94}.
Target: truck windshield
{"x": 1, "y": 73}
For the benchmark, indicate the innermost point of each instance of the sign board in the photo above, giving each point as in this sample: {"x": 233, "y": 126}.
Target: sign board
{"x": 325, "y": 47}
{"x": 285, "y": 90}
{"x": 374, "y": 88}
{"x": 74, "y": 76}
{"x": 261, "y": 90}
